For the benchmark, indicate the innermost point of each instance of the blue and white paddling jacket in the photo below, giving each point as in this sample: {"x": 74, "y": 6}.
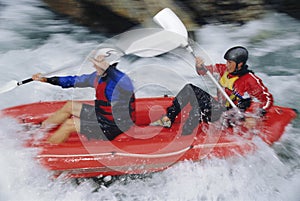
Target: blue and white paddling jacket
{"x": 114, "y": 103}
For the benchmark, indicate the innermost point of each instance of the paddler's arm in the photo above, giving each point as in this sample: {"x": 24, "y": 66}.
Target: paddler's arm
{"x": 86, "y": 80}
{"x": 51, "y": 80}
{"x": 54, "y": 80}
{"x": 201, "y": 68}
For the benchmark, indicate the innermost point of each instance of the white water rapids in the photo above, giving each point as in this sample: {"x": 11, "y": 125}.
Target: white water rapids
{"x": 32, "y": 39}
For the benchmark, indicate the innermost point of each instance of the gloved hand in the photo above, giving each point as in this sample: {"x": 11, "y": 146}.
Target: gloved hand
{"x": 243, "y": 104}
{"x": 232, "y": 117}
{"x": 261, "y": 112}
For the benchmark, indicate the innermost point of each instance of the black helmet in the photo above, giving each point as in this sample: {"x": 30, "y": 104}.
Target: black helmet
{"x": 238, "y": 54}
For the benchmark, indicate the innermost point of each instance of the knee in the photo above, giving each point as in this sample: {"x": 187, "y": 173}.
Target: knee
{"x": 69, "y": 124}
{"x": 188, "y": 89}
{"x": 190, "y": 85}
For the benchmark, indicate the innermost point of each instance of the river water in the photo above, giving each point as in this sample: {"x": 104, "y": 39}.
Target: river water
{"x": 33, "y": 39}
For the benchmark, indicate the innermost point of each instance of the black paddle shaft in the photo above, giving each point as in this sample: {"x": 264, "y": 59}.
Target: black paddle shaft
{"x": 24, "y": 81}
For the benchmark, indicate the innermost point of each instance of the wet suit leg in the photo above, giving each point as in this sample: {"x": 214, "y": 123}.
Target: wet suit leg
{"x": 204, "y": 107}
{"x": 186, "y": 95}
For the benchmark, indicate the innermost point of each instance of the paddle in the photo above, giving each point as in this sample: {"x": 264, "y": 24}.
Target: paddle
{"x": 14, "y": 83}
{"x": 148, "y": 42}
{"x": 141, "y": 42}
{"x": 167, "y": 19}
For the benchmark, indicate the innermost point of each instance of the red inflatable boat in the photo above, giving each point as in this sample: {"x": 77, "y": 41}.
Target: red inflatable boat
{"x": 143, "y": 149}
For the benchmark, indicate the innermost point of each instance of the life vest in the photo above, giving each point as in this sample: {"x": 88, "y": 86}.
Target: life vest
{"x": 228, "y": 82}
{"x": 107, "y": 90}
{"x": 102, "y": 103}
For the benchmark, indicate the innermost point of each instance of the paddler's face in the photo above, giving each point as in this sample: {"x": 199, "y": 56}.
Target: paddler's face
{"x": 100, "y": 64}
{"x": 230, "y": 66}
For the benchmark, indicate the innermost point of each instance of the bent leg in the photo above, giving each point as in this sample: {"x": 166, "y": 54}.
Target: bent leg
{"x": 193, "y": 95}
{"x": 199, "y": 99}
{"x": 186, "y": 95}
{"x": 207, "y": 109}
{"x": 64, "y": 131}
{"x": 60, "y": 116}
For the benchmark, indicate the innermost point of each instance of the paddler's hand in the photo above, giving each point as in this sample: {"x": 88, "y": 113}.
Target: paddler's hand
{"x": 39, "y": 77}
{"x": 200, "y": 67}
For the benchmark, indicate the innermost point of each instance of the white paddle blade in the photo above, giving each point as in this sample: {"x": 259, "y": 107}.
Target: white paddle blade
{"x": 156, "y": 44}
{"x": 9, "y": 86}
{"x": 149, "y": 42}
{"x": 168, "y": 20}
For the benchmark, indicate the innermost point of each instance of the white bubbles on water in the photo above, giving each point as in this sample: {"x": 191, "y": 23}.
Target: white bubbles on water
{"x": 261, "y": 176}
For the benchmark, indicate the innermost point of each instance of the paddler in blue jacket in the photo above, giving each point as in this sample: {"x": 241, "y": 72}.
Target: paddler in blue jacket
{"x": 114, "y": 107}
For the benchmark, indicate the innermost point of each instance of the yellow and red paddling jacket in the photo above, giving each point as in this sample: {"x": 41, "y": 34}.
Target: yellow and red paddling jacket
{"x": 243, "y": 85}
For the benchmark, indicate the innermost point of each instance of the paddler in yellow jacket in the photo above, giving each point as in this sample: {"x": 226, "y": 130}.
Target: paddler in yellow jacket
{"x": 239, "y": 83}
